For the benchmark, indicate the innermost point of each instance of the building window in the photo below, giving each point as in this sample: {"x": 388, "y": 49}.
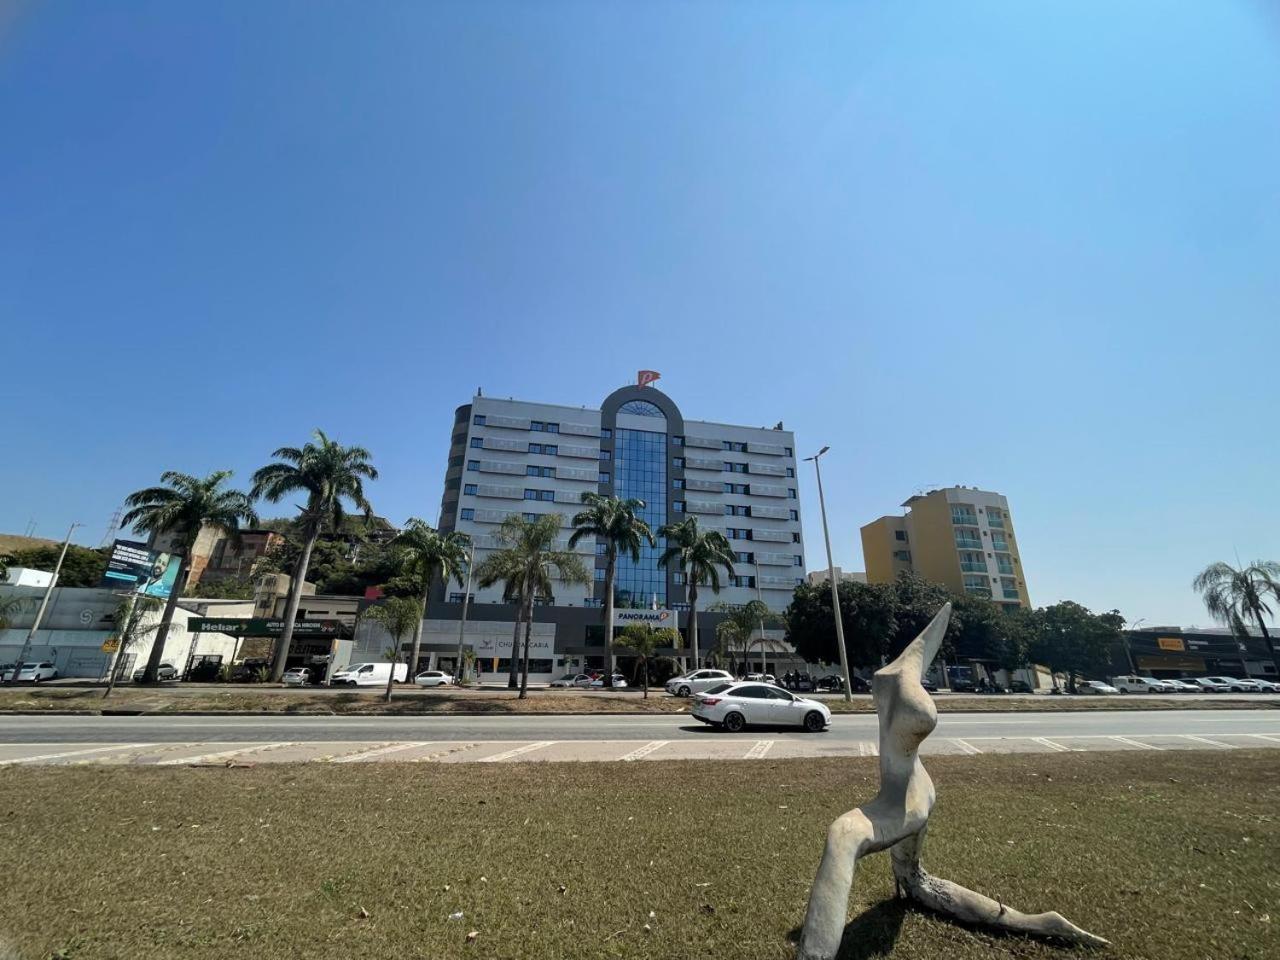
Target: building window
{"x": 790, "y": 452}
{"x": 600, "y": 576}
{"x": 470, "y": 488}
{"x": 737, "y": 533}
{"x": 459, "y": 597}
{"x": 733, "y": 445}
{"x": 795, "y": 537}
{"x": 553, "y": 428}
{"x": 642, "y": 408}
{"x": 535, "y": 448}
{"x": 455, "y": 461}
{"x": 677, "y": 484}
{"x": 735, "y": 467}
{"x": 795, "y": 514}
{"x": 799, "y": 581}
{"x": 678, "y": 579}
{"x": 677, "y": 441}
{"x": 606, "y": 454}
{"x": 791, "y": 472}
{"x": 736, "y": 510}
{"x": 791, "y": 492}
{"x": 677, "y": 506}
{"x": 800, "y": 563}
{"x": 744, "y": 581}
{"x": 550, "y": 449}
{"x": 532, "y": 471}
{"x": 477, "y": 442}
{"x": 604, "y": 478}
{"x": 601, "y": 548}
{"x": 537, "y": 426}
{"x": 903, "y": 555}
{"x": 478, "y": 419}
{"x": 547, "y": 495}
{"x": 466, "y": 513}
{"x": 530, "y": 494}
{"x": 900, "y": 535}
{"x": 741, "y": 556}
{"x": 677, "y": 462}
{"x": 530, "y": 517}
{"x": 736, "y": 488}
{"x": 473, "y": 465}
{"x": 606, "y": 433}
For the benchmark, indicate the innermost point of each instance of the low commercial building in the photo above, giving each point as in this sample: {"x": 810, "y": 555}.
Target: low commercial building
{"x": 817, "y": 577}
{"x": 1175, "y": 653}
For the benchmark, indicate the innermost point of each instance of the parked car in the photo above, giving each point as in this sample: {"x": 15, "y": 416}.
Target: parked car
{"x": 1267, "y": 686}
{"x": 433, "y": 678}
{"x": 1236, "y": 686}
{"x": 296, "y": 677}
{"x": 249, "y": 671}
{"x": 834, "y": 683}
{"x": 166, "y": 671}
{"x": 1020, "y": 686}
{"x": 761, "y": 678}
{"x": 696, "y": 681}
{"x": 567, "y": 680}
{"x": 1183, "y": 686}
{"x": 1136, "y": 684}
{"x": 369, "y": 675}
{"x": 33, "y": 672}
{"x": 1095, "y": 687}
{"x": 619, "y": 681}
{"x": 735, "y": 705}
{"x": 1211, "y": 685}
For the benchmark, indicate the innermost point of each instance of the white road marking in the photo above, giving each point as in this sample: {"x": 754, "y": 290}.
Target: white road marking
{"x": 644, "y": 751}
{"x": 507, "y": 755}
{"x": 1136, "y": 743}
{"x": 868, "y": 749}
{"x": 1046, "y": 742}
{"x": 758, "y": 751}
{"x": 39, "y": 758}
{"x": 223, "y": 754}
{"x": 964, "y": 745}
{"x": 1264, "y": 736}
{"x": 1212, "y": 743}
{"x": 379, "y": 751}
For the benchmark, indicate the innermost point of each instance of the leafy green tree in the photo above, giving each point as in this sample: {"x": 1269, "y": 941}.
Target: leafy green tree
{"x": 613, "y": 522}
{"x": 82, "y": 567}
{"x": 700, "y": 555}
{"x": 424, "y": 553}
{"x": 182, "y": 507}
{"x": 916, "y": 601}
{"x": 129, "y": 614}
{"x": 741, "y": 623}
{"x": 644, "y": 643}
{"x": 328, "y": 474}
{"x": 229, "y": 588}
{"x": 1237, "y": 597}
{"x": 399, "y": 615}
{"x": 1072, "y": 640}
{"x": 526, "y": 564}
{"x": 867, "y": 614}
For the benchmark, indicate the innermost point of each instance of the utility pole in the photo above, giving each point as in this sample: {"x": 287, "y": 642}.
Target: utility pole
{"x": 44, "y": 602}
{"x": 760, "y": 597}
{"x": 462, "y": 624}
{"x": 831, "y": 575}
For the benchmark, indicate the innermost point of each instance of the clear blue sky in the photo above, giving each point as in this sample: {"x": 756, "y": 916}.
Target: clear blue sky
{"x": 1032, "y": 247}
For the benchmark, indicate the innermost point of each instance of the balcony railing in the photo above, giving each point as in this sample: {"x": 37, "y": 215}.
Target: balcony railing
{"x": 1011, "y": 594}
{"x": 968, "y": 543}
{"x": 968, "y": 566}
{"x": 999, "y": 544}
{"x": 1005, "y": 569}
{"x": 996, "y": 522}
{"x": 964, "y": 519}
{"x": 978, "y": 591}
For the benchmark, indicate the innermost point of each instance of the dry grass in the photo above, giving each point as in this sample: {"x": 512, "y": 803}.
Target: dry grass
{"x": 1169, "y": 855}
{"x": 182, "y": 699}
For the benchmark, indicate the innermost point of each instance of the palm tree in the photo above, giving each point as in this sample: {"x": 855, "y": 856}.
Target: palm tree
{"x": 424, "y": 554}
{"x": 644, "y": 643}
{"x": 400, "y": 615}
{"x": 699, "y": 555}
{"x": 1236, "y": 596}
{"x": 526, "y": 565}
{"x": 129, "y": 628}
{"x": 184, "y": 506}
{"x": 614, "y": 523}
{"x": 328, "y": 473}
{"x": 740, "y": 623}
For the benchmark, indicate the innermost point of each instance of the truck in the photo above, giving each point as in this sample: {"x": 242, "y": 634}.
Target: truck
{"x": 369, "y": 674}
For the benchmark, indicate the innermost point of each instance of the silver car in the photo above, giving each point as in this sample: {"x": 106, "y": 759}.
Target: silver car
{"x": 696, "y": 681}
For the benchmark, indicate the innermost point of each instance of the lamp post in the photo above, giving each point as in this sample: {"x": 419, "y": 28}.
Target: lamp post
{"x": 1128, "y": 650}
{"x": 44, "y": 602}
{"x": 831, "y": 575}
{"x": 462, "y": 624}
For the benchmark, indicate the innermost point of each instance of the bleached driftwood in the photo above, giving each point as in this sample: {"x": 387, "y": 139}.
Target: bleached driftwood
{"x": 898, "y": 817}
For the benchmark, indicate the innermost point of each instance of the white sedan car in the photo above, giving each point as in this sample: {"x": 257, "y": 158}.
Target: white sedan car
{"x": 572, "y": 680}
{"x": 619, "y": 681}
{"x": 731, "y": 706}
{"x": 432, "y": 678}
{"x": 1087, "y": 687}
{"x": 44, "y": 670}
{"x": 296, "y": 677}
{"x": 1235, "y": 685}
{"x": 696, "y": 681}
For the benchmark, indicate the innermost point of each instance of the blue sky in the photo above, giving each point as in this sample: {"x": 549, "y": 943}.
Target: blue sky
{"x": 1031, "y": 247}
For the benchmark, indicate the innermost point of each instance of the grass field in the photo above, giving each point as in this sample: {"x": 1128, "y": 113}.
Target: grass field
{"x": 1170, "y": 855}
{"x": 182, "y": 699}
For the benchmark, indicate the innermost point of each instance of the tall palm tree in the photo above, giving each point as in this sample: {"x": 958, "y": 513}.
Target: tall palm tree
{"x": 128, "y": 618}
{"x": 1236, "y": 596}
{"x": 424, "y": 554}
{"x": 526, "y": 564}
{"x": 328, "y": 473}
{"x": 400, "y": 616}
{"x": 184, "y": 506}
{"x": 614, "y": 523}
{"x": 740, "y": 625}
{"x": 644, "y": 643}
{"x": 698, "y": 554}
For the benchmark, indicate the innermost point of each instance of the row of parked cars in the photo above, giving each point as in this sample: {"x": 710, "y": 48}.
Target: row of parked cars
{"x": 1136, "y": 684}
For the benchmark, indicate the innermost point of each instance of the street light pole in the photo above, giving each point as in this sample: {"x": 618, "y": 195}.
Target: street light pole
{"x": 462, "y": 624}
{"x": 44, "y": 602}
{"x": 760, "y": 597}
{"x": 831, "y": 574}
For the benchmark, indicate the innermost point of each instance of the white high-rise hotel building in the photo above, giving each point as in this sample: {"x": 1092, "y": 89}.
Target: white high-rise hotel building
{"x": 515, "y": 457}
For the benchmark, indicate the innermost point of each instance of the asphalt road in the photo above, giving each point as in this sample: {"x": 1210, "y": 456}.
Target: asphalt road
{"x": 844, "y": 730}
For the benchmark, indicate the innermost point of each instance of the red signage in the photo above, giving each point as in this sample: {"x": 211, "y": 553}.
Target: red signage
{"x": 646, "y": 377}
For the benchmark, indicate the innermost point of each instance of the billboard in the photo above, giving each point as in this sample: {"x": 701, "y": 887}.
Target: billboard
{"x": 132, "y": 566}
{"x": 266, "y": 627}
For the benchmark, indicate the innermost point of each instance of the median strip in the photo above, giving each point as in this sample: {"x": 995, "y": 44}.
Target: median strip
{"x": 222, "y": 754}
{"x": 40, "y": 758}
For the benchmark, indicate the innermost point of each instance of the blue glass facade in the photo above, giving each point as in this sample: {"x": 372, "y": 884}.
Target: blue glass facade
{"x": 640, "y": 471}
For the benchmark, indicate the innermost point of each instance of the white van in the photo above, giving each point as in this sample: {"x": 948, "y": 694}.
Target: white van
{"x": 1133, "y": 684}
{"x": 368, "y": 675}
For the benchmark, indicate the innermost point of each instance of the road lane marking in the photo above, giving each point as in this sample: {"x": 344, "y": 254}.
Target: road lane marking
{"x": 1135, "y": 743}
{"x": 868, "y": 749}
{"x": 758, "y": 751}
{"x": 1052, "y": 745}
{"x": 518, "y": 751}
{"x": 39, "y": 758}
{"x": 1264, "y": 736}
{"x": 379, "y": 751}
{"x": 1212, "y": 743}
{"x": 222, "y": 754}
{"x": 964, "y": 745}
{"x": 644, "y": 751}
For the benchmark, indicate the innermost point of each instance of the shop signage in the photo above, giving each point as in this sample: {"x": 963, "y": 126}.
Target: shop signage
{"x": 648, "y": 618}
{"x": 266, "y": 627}
{"x": 1171, "y": 643}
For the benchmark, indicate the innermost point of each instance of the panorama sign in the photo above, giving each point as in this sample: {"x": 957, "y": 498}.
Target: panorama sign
{"x": 648, "y": 618}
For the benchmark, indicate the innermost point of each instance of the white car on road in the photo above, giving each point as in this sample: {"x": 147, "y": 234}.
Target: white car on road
{"x": 572, "y": 680}
{"x": 1211, "y": 684}
{"x": 36, "y": 672}
{"x": 619, "y": 682}
{"x": 296, "y": 677}
{"x": 732, "y": 706}
{"x": 1095, "y": 687}
{"x": 1236, "y": 686}
{"x": 432, "y": 678}
{"x": 1132, "y": 684}
{"x": 696, "y": 681}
